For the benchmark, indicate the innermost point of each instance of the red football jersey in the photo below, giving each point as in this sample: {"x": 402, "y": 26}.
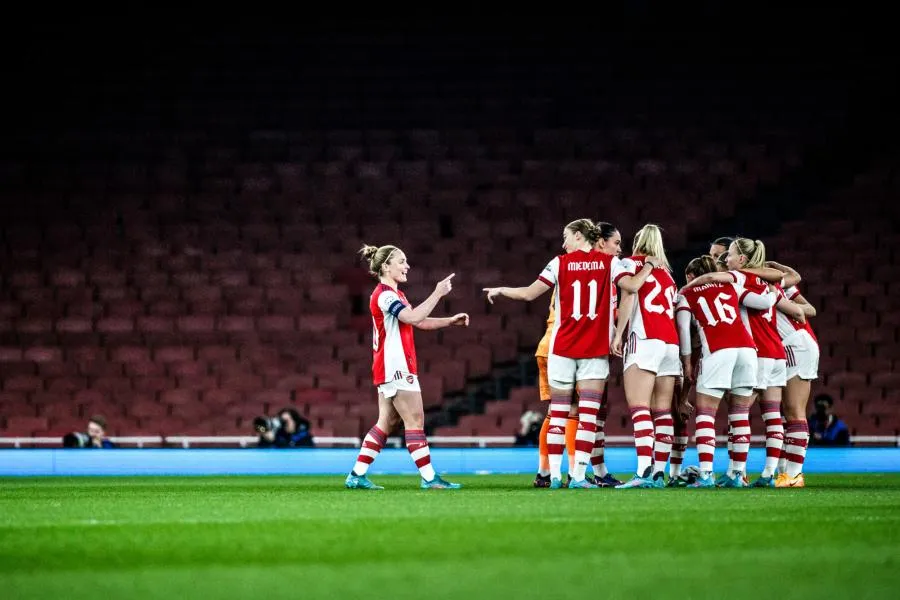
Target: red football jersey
{"x": 716, "y": 309}
{"x": 584, "y": 303}
{"x": 393, "y": 349}
{"x": 653, "y": 314}
{"x": 762, "y": 323}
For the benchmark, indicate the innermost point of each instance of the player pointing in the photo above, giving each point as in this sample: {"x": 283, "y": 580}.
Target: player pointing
{"x": 394, "y": 369}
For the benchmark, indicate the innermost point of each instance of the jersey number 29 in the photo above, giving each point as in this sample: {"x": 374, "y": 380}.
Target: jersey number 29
{"x": 668, "y": 299}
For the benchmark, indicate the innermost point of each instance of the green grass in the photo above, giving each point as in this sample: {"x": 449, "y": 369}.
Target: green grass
{"x": 307, "y": 537}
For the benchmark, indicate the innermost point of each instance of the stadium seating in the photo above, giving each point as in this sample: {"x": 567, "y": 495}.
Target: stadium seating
{"x": 183, "y": 280}
{"x": 191, "y": 294}
{"x": 849, "y": 267}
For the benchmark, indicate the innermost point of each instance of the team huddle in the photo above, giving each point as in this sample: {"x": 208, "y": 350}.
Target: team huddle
{"x": 738, "y": 330}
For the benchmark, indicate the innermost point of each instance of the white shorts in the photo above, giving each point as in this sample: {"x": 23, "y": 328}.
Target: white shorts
{"x": 770, "y": 372}
{"x": 802, "y": 357}
{"x": 563, "y": 372}
{"x": 405, "y": 382}
{"x": 728, "y": 370}
{"x": 655, "y": 356}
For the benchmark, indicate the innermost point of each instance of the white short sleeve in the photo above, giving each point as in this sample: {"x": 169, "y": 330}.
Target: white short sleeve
{"x": 681, "y": 303}
{"x": 623, "y": 267}
{"x": 550, "y": 274}
{"x": 390, "y": 303}
{"x": 791, "y": 292}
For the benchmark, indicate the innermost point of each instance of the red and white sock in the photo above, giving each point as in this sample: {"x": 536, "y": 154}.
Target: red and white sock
{"x": 795, "y": 441}
{"x": 662, "y": 446}
{"x": 643, "y": 438}
{"x": 705, "y": 436}
{"x": 730, "y": 448}
{"x": 679, "y": 446}
{"x": 556, "y": 435}
{"x": 739, "y": 420}
{"x": 371, "y": 446}
{"x": 771, "y": 414}
{"x": 586, "y": 435}
{"x": 598, "y": 455}
{"x": 418, "y": 450}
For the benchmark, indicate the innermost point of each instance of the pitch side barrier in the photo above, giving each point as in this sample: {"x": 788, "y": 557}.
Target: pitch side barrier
{"x": 217, "y": 455}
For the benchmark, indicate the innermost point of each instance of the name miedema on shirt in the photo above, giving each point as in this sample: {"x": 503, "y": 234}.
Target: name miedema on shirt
{"x": 586, "y": 265}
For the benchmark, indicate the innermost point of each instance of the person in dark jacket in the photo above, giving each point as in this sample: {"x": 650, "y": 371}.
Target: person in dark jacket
{"x": 290, "y": 430}
{"x": 826, "y": 428}
{"x": 95, "y": 437}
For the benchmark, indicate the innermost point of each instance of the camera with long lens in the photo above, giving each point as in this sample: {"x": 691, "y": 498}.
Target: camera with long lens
{"x": 76, "y": 439}
{"x": 265, "y": 424}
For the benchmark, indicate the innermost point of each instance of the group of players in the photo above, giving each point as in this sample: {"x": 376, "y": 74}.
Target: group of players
{"x": 738, "y": 330}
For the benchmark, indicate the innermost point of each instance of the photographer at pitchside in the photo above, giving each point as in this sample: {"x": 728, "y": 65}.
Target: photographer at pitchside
{"x": 287, "y": 430}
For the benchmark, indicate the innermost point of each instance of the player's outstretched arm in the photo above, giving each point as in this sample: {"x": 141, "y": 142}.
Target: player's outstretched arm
{"x": 431, "y": 323}
{"x": 535, "y": 290}
{"x": 414, "y": 316}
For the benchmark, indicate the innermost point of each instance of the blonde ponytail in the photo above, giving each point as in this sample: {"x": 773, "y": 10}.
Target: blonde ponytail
{"x": 754, "y": 251}
{"x": 648, "y": 241}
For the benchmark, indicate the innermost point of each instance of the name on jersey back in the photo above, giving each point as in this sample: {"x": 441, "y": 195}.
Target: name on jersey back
{"x": 586, "y": 265}
{"x": 707, "y": 286}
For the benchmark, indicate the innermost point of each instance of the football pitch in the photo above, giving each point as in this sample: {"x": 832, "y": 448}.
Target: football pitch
{"x": 308, "y": 537}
